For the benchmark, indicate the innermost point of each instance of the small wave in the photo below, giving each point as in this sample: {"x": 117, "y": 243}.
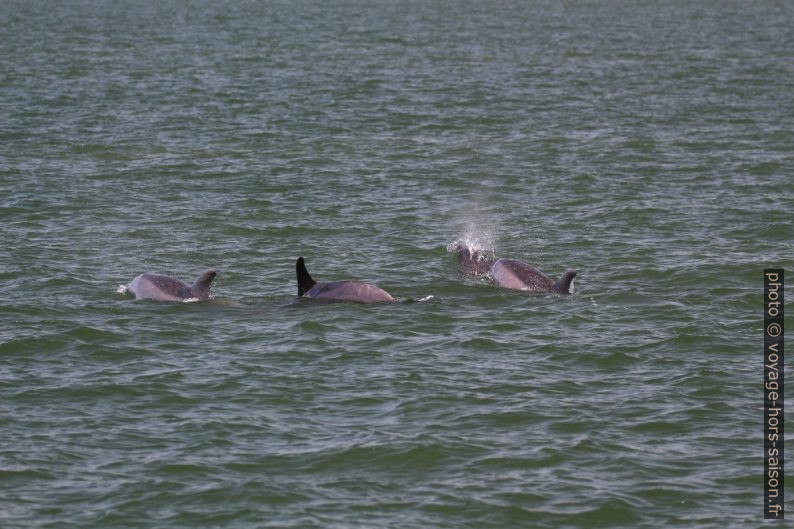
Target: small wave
{"x": 427, "y": 299}
{"x": 123, "y": 289}
{"x": 190, "y": 300}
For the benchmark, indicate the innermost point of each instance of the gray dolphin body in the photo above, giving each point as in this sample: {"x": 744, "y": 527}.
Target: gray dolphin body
{"x": 338, "y": 290}
{"x": 512, "y": 273}
{"x": 166, "y": 288}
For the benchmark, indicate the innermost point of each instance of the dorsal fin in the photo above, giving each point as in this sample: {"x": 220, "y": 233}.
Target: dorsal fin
{"x": 305, "y": 281}
{"x": 565, "y": 284}
{"x": 204, "y": 282}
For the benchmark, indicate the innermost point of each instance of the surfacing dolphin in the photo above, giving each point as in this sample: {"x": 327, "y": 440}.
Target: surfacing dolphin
{"x": 338, "y": 290}
{"x": 512, "y": 273}
{"x": 166, "y": 288}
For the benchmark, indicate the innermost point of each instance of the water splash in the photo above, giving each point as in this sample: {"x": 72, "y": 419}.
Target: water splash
{"x": 478, "y": 224}
{"x": 476, "y": 239}
{"x": 476, "y": 242}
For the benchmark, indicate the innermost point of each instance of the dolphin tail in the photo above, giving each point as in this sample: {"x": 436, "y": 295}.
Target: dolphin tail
{"x": 565, "y": 284}
{"x": 305, "y": 281}
{"x": 204, "y": 282}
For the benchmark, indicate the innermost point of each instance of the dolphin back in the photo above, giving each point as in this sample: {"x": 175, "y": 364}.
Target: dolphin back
{"x": 512, "y": 273}
{"x": 337, "y": 290}
{"x": 349, "y": 291}
{"x": 159, "y": 287}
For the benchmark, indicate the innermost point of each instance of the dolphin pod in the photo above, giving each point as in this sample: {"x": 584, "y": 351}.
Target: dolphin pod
{"x": 507, "y": 273}
{"x": 512, "y": 273}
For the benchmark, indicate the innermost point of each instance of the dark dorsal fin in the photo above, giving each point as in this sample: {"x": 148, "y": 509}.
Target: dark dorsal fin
{"x": 563, "y": 286}
{"x": 305, "y": 281}
{"x": 204, "y": 282}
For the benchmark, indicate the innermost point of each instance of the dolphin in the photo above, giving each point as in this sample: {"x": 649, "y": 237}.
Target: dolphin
{"x": 166, "y": 288}
{"x": 512, "y": 273}
{"x": 338, "y": 290}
